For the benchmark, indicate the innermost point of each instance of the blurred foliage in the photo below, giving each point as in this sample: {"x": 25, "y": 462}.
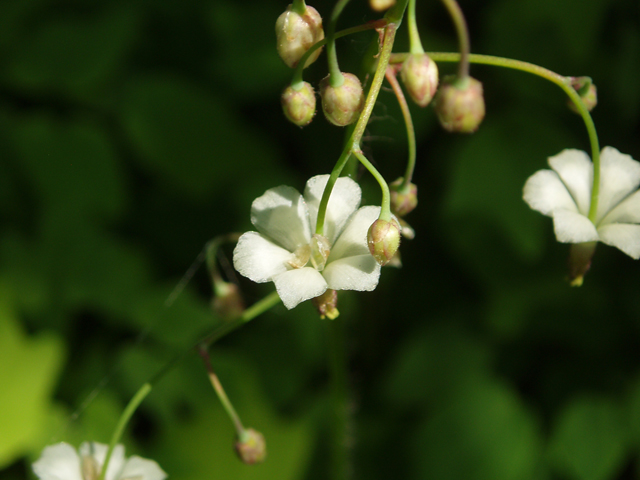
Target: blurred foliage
{"x": 132, "y": 132}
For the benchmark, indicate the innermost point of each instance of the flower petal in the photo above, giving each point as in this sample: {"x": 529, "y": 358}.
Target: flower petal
{"x": 627, "y": 211}
{"x": 573, "y": 227}
{"x": 623, "y": 236}
{"x": 99, "y": 452}
{"x": 258, "y": 258}
{"x": 137, "y": 467}
{"x": 576, "y": 171}
{"x": 360, "y": 272}
{"x": 619, "y": 176}
{"x": 298, "y": 285}
{"x": 545, "y": 192}
{"x": 353, "y": 239}
{"x": 281, "y": 214}
{"x": 344, "y": 200}
{"x": 58, "y": 462}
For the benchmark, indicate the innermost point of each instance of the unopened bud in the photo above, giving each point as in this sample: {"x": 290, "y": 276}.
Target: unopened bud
{"x": 299, "y": 106}
{"x": 227, "y": 301}
{"x": 383, "y": 239}
{"x": 420, "y": 77}
{"x": 342, "y": 105}
{"x": 296, "y": 33}
{"x": 251, "y": 447}
{"x": 460, "y": 104}
{"x": 381, "y": 5}
{"x": 326, "y": 304}
{"x": 407, "y": 230}
{"x": 580, "y": 255}
{"x": 403, "y": 198}
{"x": 587, "y": 91}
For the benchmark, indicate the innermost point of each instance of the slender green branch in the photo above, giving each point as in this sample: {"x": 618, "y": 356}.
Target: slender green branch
{"x": 411, "y": 134}
{"x": 122, "y": 423}
{"x": 385, "y": 212}
{"x": 463, "y": 36}
{"x": 336, "y": 79}
{"x": 299, "y": 7}
{"x": 340, "y": 397}
{"x": 415, "y": 45}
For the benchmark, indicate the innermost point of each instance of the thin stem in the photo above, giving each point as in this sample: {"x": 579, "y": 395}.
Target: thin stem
{"x": 415, "y": 45}
{"x": 563, "y": 82}
{"x": 463, "y": 36}
{"x": 336, "y": 79}
{"x": 222, "y": 395}
{"x": 122, "y": 423}
{"x": 340, "y": 396}
{"x": 385, "y": 211}
{"x": 411, "y": 134}
{"x": 299, "y": 7}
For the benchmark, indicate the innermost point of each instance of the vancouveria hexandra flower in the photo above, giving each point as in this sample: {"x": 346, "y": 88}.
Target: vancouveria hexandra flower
{"x": 286, "y": 251}
{"x": 564, "y": 194}
{"x": 63, "y": 462}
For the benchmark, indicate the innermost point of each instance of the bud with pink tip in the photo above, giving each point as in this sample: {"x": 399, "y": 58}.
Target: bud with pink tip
{"x": 459, "y": 104}
{"x": 342, "y": 105}
{"x": 296, "y": 33}
{"x": 403, "y": 198}
{"x": 299, "y": 106}
{"x": 383, "y": 239}
{"x": 251, "y": 447}
{"x": 420, "y": 77}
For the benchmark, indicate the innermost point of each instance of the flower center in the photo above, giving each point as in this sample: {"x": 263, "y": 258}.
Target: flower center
{"x": 316, "y": 252}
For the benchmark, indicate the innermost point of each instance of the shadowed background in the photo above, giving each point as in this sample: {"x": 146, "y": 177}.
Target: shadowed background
{"x": 132, "y": 132}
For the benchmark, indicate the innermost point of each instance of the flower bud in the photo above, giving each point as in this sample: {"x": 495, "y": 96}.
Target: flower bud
{"x": 403, "y": 199}
{"x": 381, "y": 5}
{"x": 251, "y": 447}
{"x": 326, "y": 304}
{"x": 460, "y": 104}
{"x": 383, "y": 239}
{"x": 227, "y": 302}
{"x": 587, "y": 91}
{"x": 342, "y": 105}
{"x": 296, "y": 33}
{"x": 407, "y": 230}
{"x": 420, "y": 77}
{"x": 580, "y": 255}
{"x": 299, "y": 106}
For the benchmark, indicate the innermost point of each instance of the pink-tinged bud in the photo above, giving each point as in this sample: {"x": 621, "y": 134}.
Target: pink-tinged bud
{"x": 227, "y": 302}
{"x": 407, "y": 230}
{"x": 342, "y": 105}
{"x": 326, "y": 304}
{"x": 420, "y": 77}
{"x": 460, "y": 104}
{"x": 403, "y": 199}
{"x": 296, "y": 33}
{"x": 383, "y": 239}
{"x": 381, "y": 5}
{"x": 580, "y": 255}
{"x": 299, "y": 106}
{"x": 251, "y": 447}
{"x": 587, "y": 91}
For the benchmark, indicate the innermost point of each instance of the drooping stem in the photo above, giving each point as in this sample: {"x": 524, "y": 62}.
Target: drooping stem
{"x": 340, "y": 463}
{"x": 415, "y": 44}
{"x": 463, "y": 36}
{"x": 406, "y": 114}
{"x": 336, "y": 79}
{"x": 385, "y": 211}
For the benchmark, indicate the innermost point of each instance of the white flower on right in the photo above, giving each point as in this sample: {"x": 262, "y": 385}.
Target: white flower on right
{"x": 564, "y": 194}
{"x": 62, "y": 462}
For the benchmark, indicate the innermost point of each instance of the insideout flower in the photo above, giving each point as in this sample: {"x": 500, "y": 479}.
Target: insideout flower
{"x": 564, "y": 193}
{"x": 286, "y": 251}
{"x": 63, "y": 462}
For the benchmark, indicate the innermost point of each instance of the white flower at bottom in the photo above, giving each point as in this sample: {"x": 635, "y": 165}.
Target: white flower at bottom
{"x": 303, "y": 265}
{"x": 564, "y": 194}
{"x": 62, "y": 462}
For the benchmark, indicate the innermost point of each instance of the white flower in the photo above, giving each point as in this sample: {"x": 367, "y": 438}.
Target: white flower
{"x": 564, "y": 194}
{"x": 303, "y": 265}
{"x": 62, "y": 462}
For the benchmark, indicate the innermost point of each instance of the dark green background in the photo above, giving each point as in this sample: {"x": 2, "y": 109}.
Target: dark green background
{"x": 132, "y": 132}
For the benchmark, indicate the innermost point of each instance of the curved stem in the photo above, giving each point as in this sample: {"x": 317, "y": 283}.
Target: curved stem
{"x": 122, "y": 423}
{"x": 415, "y": 45}
{"x": 385, "y": 211}
{"x": 336, "y": 79}
{"x": 406, "y": 114}
{"x": 463, "y": 36}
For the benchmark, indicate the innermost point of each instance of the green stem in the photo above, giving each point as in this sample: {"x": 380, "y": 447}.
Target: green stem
{"x": 385, "y": 211}
{"x": 122, "y": 423}
{"x": 299, "y": 7}
{"x": 336, "y": 79}
{"x": 415, "y": 45}
{"x": 563, "y": 82}
{"x": 411, "y": 134}
{"x": 463, "y": 36}
{"x": 353, "y": 144}
{"x": 340, "y": 396}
